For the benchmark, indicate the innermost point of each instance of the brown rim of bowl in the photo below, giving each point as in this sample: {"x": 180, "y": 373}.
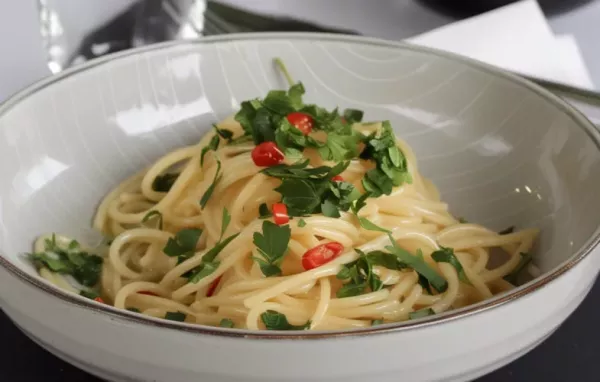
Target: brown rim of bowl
{"x": 445, "y": 317}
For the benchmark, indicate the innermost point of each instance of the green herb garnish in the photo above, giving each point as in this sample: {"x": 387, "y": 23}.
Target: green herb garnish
{"x": 272, "y": 244}
{"x": 419, "y": 265}
{"x": 183, "y": 245}
{"x": 72, "y": 260}
{"x": 369, "y": 225}
{"x": 277, "y": 321}
{"x": 446, "y": 255}
{"x": 392, "y": 168}
{"x": 89, "y": 293}
{"x": 209, "y": 264}
{"x": 226, "y": 323}
{"x": 154, "y": 214}
{"x": 513, "y": 276}
{"x": 213, "y": 145}
{"x": 223, "y": 133}
{"x": 263, "y": 211}
{"x": 225, "y": 219}
{"x": 175, "y": 316}
{"x": 360, "y": 273}
{"x": 301, "y": 223}
{"x": 164, "y": 182}
{"x": 421, "y": 313}
{"x": 134, "y": 310}
{"x": 211, "y": 188}
{"x": 376, "y": 322}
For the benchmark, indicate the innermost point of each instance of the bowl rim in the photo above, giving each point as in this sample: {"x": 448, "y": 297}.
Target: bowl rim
{"x": 499, "y": 300}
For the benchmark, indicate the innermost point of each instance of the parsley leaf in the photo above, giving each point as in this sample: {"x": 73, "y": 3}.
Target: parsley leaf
{"x": 272, "y": 244}
{"x": 209, "y": 191}
{"x": 213, "y": 145}
{"x": 83, "y": 266}
{"x": 223, "y": 133}
{"x": 361, "y": 275}
{"x": 370, "y": 226}
{"x": 392, "y": 168}
{"x": 226, "y": 323}
{"x": 226, "y": 219}
{"x": 263, "y": 211}
{"x": 89, "y": 293}
{"x": 513, "y": 276}
{"x": 353, "y": 115}
{"x": 183, "y": 245}
{"x": 329, "y": 209}
{"x": 164, "y": 182}
{"x": 277, "y": 321}
{"x": 209, "y": 264}
{"x": 301, "y": 196}
{"x": 175, "y": 316}
{"x": 376, "y": 322}
{"x": 446, "y": 255}
{"x": 301, "y": 223}
{"x": 154, "y": 214}
{"x": 419, "y": 265}
{"x": 421, "y": 313}
{"x": 245, "y": 116}
{"x": 134, "y": 310}
{"x": 360, "y": 202}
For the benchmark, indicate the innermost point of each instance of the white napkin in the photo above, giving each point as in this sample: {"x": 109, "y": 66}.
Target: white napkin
{"x": 517, "y": 38}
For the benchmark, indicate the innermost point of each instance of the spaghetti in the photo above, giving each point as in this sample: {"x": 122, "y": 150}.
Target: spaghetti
{"x": 285, "y": 217}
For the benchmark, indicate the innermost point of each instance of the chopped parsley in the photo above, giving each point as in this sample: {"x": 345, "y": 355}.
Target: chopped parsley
{"x": 209, "y": 263}
{"x": 213, "y": 145}
{"x": 376, "y": 322}
{"x": 277, "y": 321}
{"x": 263, "y": 211}
{"x": 421, "y": 313}
{"x": 360, "y": 273}
{"x": 209, "y": 191}
{"x": 226, "y": 323}
{"x": 369, "y": 225}
{"x": 134, "y": 310}
{"x": 272, "y": 244}
{"x": 301, "y": 223}
{"x": 175, "y": 316}
{"x": 89, "y": 293}
{"x": 183, "y": 245}
{"x": 223, "y": 133}
{"x": 154, "y": 215}
{"x": 419, "y": 265}
{"x": 392, "y": 168}
{"x": 164, "y": 182}
{"x": 226, "y": 219}
{"x": 446, "y": 255}
{"x": 513, "y": 276}
{"x": 308, "y": 191}
{"x": 72, "y": 260}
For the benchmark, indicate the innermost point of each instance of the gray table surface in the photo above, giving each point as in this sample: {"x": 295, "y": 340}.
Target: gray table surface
{"x": 568, "y": 355}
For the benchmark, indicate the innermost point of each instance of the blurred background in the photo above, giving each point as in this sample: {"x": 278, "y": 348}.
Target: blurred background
{"x": 44, "y": 36}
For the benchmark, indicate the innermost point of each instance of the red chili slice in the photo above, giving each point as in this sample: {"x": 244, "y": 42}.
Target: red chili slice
{"x": 267, "y": 154}
{"x": 303, "y": 122}
{"x": 280, "y": 214}
{"x": 213, "y": 286}
{"x": 148, "y": 293}
{"x": 321, "y": 254}
{"x": 99, "y": 299}
{"x": 337, "y": 178}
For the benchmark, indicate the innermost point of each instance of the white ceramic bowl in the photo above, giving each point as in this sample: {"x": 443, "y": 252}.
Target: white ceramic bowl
{"x": 502, "y": 150}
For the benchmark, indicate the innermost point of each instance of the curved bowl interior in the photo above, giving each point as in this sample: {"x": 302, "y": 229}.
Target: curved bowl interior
{"x": 501, "y": 152}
